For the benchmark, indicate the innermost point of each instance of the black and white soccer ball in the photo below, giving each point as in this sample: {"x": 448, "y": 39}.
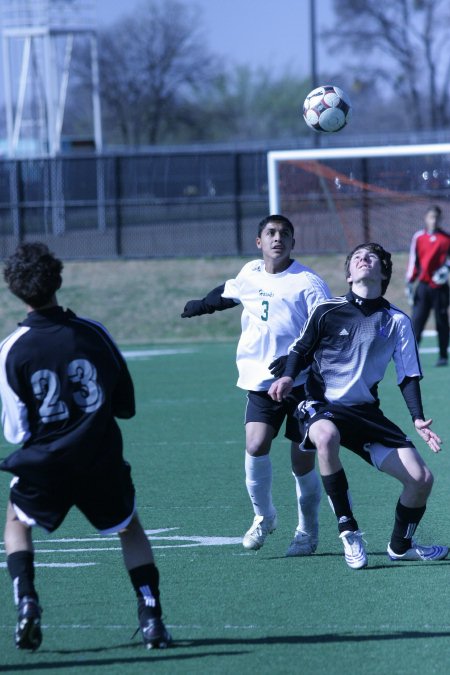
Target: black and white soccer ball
{"x": 327, "y": 108}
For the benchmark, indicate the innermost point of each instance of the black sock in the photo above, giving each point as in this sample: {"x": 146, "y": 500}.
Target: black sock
{"x": 406, "y": 522}
{"x": 145, "y": 580}
{"x": 21, "y": 568}
{"x": 336, "y": 487}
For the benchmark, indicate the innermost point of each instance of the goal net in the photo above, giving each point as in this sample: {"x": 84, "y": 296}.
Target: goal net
{"x": 338, "y": 198}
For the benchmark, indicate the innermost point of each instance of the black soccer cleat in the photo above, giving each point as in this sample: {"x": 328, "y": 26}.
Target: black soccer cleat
{"x": 154, "y": 634}
{"x": 28, "y": 634}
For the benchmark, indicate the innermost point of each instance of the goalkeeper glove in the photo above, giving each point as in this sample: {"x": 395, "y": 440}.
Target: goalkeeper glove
{"x": 196, "y": 308}
{"x": 409, "y": 292}
{"x": 441, "y": 275}
{"x": 277, "y": 367}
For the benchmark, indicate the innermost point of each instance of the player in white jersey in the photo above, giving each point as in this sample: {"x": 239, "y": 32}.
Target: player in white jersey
{"x": 276, "y": 294}
{"x": 350, "y": 341}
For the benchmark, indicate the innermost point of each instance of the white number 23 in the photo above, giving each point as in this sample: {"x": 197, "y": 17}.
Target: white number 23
{"x": 87, "y": 393}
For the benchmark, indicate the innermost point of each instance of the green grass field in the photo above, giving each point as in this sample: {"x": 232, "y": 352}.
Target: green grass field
{"x": 232, "y": 611}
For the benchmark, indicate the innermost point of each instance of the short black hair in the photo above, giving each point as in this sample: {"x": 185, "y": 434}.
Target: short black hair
{"x": 275, "y": 218}
{"x": 434, "y": 209}
{"x": 33, "y": 274}
{"x": 385, "y": 259}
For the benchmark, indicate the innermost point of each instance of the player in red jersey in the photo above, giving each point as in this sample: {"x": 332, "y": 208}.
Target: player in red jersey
{"x": 429, "y": 262}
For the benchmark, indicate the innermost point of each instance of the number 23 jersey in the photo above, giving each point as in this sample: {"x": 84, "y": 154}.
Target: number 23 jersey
{"x": 62, "y": 382}
{"x": 275, "y": 309}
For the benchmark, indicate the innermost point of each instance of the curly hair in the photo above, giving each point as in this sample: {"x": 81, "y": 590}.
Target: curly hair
{"x": 33, "y": 274}
{"x": 385, "y": 259}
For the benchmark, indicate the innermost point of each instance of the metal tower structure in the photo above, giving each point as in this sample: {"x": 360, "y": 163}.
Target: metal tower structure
{"x": 38, "y": 39}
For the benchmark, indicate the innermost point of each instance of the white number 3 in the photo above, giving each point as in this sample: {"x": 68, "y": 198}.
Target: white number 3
{"x": 87, "y": 393}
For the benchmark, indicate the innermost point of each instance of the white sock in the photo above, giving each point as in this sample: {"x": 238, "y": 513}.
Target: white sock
{"x": 258, "y": 479}
{"x": 309, "y": 490}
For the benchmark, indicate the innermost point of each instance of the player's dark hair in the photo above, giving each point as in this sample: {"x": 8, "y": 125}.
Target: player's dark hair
{"x": 434, "y": 209}
{"x": 275, "y": 218}
{"x": 33, "y": 274}
{"x": 385, "y": 259}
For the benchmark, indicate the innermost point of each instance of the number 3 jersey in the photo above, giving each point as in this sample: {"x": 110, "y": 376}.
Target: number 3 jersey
{"x": 62, "y": 383}
{"x": 275, "y": 309}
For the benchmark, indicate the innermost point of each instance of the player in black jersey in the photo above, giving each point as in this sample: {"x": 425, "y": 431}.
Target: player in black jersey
{"x": 63, "y": 381}
{"x": 349, "y": 342}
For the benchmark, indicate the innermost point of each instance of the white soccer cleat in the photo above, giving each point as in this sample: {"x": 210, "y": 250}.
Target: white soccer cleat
{"x": 354, "y": 551}
{"x": 255, "y": 537}
{"x": 302, "y": 544}
{"x": 417, "y": 552}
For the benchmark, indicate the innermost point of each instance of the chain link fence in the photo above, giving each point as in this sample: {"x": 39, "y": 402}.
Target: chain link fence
{"x": 200, "y": 201}
{"x": 160, "y": 204}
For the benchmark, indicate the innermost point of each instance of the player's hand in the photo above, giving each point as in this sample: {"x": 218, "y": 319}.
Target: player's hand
{"x": 281, "y": 388}
{"x": 277, "y": 367}
{"x": 431, "y": 439}
{"x": 193, "y": 308}
{"x": 409, "y": 292}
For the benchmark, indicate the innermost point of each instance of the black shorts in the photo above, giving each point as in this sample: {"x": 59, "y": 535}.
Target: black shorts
{"x": 359, "y": 426}
{"x": 262, "y": 408}
{"x": 106, "y": 496}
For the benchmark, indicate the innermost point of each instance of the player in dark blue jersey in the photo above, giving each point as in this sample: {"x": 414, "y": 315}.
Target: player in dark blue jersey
{"x": 63, "y": 381}
{"x": 349, "y": 342}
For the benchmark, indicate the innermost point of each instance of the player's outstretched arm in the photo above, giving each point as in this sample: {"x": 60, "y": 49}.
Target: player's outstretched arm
{"x": 423, "y": 428}
{"x": 213, "y": 302}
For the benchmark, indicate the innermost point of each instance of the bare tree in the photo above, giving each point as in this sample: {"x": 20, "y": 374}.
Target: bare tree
{"x": 403, "y": 43}
{"x": 152, "y": 63}
{"x": 160, "y": 83}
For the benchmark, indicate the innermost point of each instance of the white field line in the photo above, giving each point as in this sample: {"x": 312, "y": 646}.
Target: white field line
{"x": 145, "y": 353}
{"x": 193, "y": 542}
{"x": 396, "y": 630}
{"x": 67, "y": 564}
{"x": 110, "y": 537}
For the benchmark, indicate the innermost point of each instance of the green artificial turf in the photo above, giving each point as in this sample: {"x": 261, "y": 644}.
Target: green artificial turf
{"x": 233, "y": 611}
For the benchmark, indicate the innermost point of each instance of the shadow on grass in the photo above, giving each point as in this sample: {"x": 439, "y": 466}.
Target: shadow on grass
{"x": 236, "y": 646}
{"x": 316, "y": 639}
{"x": 147, "y": 657}
{"x": 389, "y": 565}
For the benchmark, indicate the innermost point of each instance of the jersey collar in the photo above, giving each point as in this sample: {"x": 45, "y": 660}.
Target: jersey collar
{"x": 41, "y": 318}
{"x": 367, "y": 306}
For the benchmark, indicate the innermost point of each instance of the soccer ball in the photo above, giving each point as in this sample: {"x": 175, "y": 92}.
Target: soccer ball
{"x": 326, "y": 108}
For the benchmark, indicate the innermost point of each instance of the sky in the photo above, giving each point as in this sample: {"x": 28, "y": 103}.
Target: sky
{"x": 264, "y": 33}
{"x": 258, "y": 33}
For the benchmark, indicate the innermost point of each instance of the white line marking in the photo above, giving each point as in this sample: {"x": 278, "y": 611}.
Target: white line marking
{"x": 111, "y": 537}
{"x": 76, "y": 550}
{"x": 194, "y": 541}
{"x": 69, "y": 564}
{"x": 144, "y": 353}
{"x": 204, "y": 541}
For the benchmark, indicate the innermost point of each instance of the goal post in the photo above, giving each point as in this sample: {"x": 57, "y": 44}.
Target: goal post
{"x": 340, "y": 197}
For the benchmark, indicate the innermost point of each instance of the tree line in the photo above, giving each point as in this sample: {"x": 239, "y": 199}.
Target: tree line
{"x": 161, "y": 83}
